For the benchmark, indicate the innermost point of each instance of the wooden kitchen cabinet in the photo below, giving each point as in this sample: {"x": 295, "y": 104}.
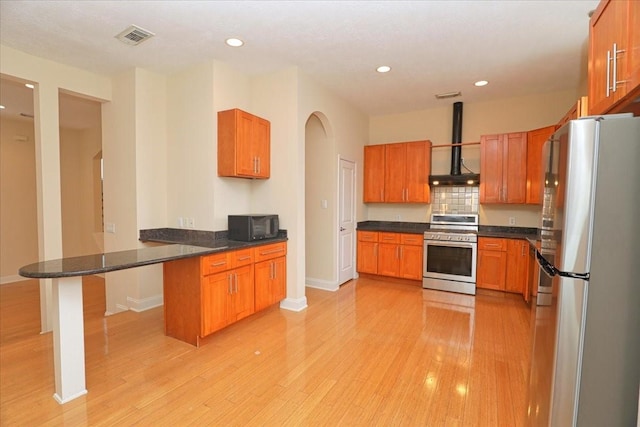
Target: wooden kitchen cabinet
{"x": 397, "y": 173}
{"x": 411, "y": 251}
{"x": 535, "y": 163}
{"x": 226, "y": 298}
{"x": 270, "y": 274}
{"x": 517, "y": 266}
{"x": 614, "y": 54}
{"x": 204, "y": 294}
{"x": 406, "y": 173}
{"x": 367, "y": 257}
{"x": 244, "y": 145}
{"x": 503, "y": 165}
{"x": 492, "y": 263}
{"x": 373, "y": 190}
{"x": 390, "y": 254}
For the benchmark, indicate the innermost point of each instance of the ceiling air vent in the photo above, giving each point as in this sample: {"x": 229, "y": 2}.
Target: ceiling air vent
{"x": 134, "y": 35}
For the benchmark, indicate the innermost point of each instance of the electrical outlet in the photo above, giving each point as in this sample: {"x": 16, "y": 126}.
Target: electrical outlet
{"x": 180, "y": 222}
{"x": 512, "y": 220}
{"x": 191, "y": 223}
{"x": 110, "y": 227}
{"x": 399, "y": 217}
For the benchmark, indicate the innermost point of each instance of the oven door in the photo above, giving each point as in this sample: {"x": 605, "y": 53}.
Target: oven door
{"x": 454, "y": 261}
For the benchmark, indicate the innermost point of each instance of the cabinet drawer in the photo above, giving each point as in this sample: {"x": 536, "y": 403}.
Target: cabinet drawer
{"x": 412, "y": 239}
{"x": 367, "y": 236}
{"x": 492, "y": 244}
{"x": 241, "y": 257}
{"x": 389, "y": 238}
{"x": 215, "y": 263}
{"x": 274, "y": 250}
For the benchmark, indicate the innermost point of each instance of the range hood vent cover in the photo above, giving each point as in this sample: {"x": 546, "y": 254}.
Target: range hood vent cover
{"x": 456, "y": 177}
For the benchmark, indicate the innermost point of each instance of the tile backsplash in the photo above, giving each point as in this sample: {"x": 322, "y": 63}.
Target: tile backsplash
{"x": 456, "y": 199}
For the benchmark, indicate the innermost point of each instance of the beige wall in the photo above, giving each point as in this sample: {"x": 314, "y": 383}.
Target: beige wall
{"x": 80, "y": 234}
{"x": 18, "y": 219}
{"x": 498, "y": 116}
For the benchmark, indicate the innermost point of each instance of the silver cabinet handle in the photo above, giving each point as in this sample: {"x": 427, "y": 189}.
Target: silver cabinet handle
{"x": 235, "y": 279}
{"x": 258, "y": 164}
{"x": 218, "y": 264}
{"x": 229, "y": 284}
{"x": 614, "y": 78}
{"x": 608, "y": 72}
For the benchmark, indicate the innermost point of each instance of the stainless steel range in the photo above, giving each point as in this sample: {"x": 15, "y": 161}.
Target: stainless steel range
{"x": 451, "y": 253}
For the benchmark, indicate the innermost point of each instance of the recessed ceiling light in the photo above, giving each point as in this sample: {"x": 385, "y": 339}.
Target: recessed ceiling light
{"x": 481, "y": 83}
{"x": 383, "y": 69}
{"x": 29, "y": 85}
{"x": 1, "y": 107}
{"x": 234, "y": 42}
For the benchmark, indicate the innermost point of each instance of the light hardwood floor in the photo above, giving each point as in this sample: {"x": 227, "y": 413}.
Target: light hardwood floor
{"x": 372, "y": 353}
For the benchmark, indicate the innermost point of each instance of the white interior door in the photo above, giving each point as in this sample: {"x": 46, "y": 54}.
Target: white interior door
{"x": 346, "y": 221}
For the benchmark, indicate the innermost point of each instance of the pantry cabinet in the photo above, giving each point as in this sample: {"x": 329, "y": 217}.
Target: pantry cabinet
{"x": 503, "y": 165}
{"x": 397, "y": 173}
{"x": 614, "y": 54}
{"x": 244, "y": 145}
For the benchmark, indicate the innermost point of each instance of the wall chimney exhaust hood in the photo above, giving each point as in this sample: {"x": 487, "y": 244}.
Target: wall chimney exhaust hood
{"x": 456, "y": 177}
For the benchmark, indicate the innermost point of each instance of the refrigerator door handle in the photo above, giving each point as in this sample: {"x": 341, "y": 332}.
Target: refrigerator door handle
{"x": 551, "y": 270}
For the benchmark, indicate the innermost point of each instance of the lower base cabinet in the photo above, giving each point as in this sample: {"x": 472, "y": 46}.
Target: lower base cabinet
{"x": 204, "y": 294}
{"x": 503, "y": 265}
{"x": 390, "y": 254}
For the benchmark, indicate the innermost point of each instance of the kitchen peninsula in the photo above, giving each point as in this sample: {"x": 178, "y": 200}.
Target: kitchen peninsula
{"x": 68, "y": 323}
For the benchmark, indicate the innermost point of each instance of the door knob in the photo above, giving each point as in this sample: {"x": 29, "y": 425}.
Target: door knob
{"x": 342, "y": 228}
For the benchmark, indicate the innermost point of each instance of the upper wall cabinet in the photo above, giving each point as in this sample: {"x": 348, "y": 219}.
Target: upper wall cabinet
{"x": 244, "y": 145}
{"x": 397, "y": 173}
{"x": 503, "y": 167}
{"x": 614, "y": 54}
{"x": 535, "y": 141}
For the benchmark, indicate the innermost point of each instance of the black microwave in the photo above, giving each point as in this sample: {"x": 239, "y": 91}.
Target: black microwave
{"x": 248, "y": 228}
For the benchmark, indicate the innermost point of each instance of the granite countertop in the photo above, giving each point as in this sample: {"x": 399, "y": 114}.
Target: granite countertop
{"x": 420, "y": 227}
{"x": 178, "y": 244}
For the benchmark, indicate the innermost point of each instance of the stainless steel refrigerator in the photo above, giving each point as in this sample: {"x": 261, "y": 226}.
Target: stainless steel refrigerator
{"x": 586, "y": 351}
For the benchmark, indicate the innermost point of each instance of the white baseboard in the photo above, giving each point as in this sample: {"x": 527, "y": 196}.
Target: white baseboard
{"x": 144, "y": 304}
{"x": 294, "y": 304}
{"x": 10, "y": 279}
{"x": 325, "y": 285}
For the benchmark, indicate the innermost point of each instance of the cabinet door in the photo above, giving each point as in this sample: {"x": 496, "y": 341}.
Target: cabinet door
{"x": 245, "y": 155}
{"x": 633, "y": 52}
{"x": 418, "y": 165}
{"x": 373, "y": 173}
{"x": 367, "y": 257}
{"x": 243, "y": 292}
{"x": 607, "y": 26}
{"x": 514, "y": 170}
{"x": 270, "y": 282}
{"x": 388, "y": 259}
{"x": 216, "y": 303}
{"x": 394, "y": 172}
{"x": 261, "y": 146}
{"x": 535, "y": 179}
{"x": 491, "y": 270}
{"x": 279, "y": 282}
{"x": 411, "y": 262}
{"x": 491, "y": 159}
{"x": 517, "y": 266}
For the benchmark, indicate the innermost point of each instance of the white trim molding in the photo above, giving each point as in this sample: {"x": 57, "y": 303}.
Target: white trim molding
{"x": 294, "y": 304}
{"x": 325, "y": 285}
{"x": 144, "y": 304}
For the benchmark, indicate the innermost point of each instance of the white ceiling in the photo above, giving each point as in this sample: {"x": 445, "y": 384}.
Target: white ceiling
{"x": 521, "y": 47}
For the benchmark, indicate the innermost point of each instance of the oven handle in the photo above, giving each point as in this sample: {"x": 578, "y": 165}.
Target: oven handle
{"x": 450, "y": 243}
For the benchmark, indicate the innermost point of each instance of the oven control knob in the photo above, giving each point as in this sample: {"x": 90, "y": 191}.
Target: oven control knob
{"x": 448, "y": 237}
{"x": 435, "y": 237}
